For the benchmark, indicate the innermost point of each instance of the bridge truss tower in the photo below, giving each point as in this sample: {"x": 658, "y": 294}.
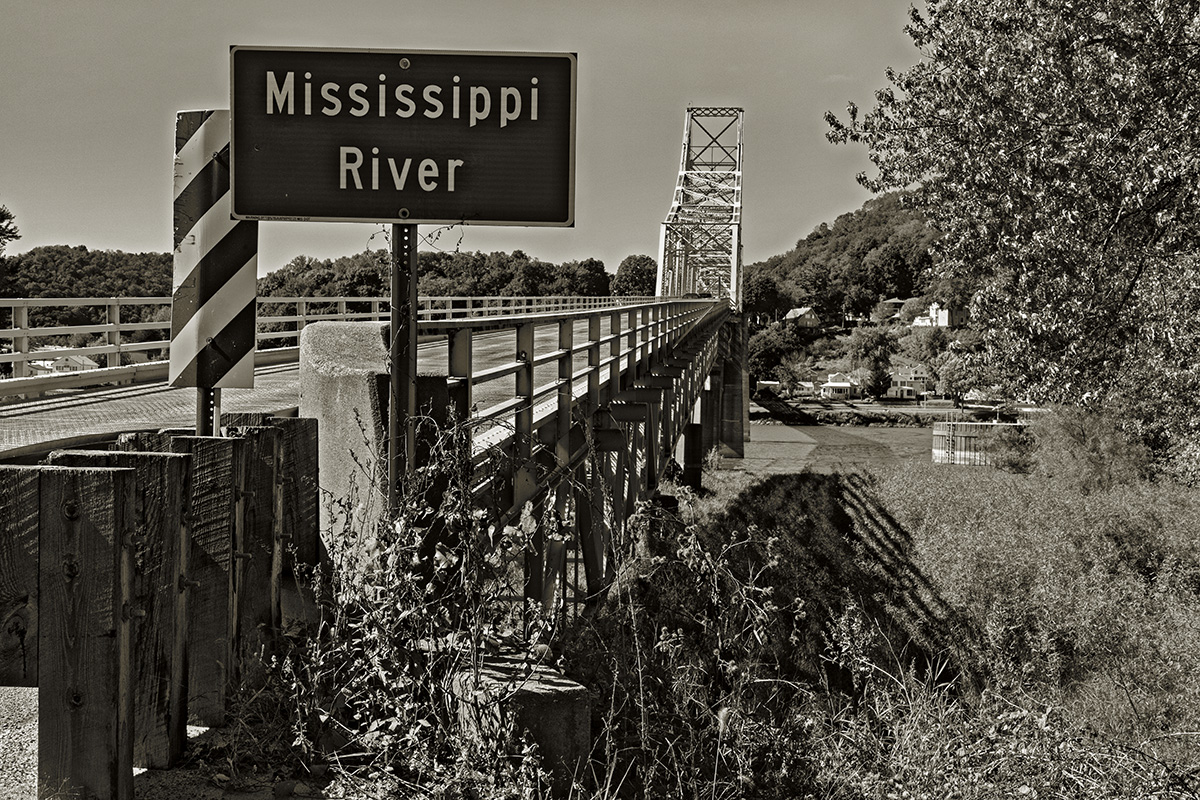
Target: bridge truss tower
{"x": 700, "y": 246}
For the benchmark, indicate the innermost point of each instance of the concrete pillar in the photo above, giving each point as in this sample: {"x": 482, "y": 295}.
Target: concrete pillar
{"x": 735, "y": 391}
{"x": 710, "y": 410}
{"x": 343, "y": 385}
{"x": 344, "y": 375}
{"x": 693, "y": 455}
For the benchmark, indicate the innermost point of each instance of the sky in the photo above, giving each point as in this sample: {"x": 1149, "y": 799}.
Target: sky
{"x": 90, "y": 91}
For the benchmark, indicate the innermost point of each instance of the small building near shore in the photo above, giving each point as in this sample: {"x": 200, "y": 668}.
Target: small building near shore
{"x": 841, "y": 386}
{"x": 805, "y": 317}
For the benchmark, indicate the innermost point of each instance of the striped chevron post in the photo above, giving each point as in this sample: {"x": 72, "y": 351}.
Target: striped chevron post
{"x": 215, "y": 266}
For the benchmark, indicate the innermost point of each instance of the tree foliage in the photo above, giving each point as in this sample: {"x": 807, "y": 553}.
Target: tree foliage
{"x": 761, "y": 295}
{"x": 365, "y": 274}
{"x": 8, "y": 229}
{"x": 871, "y": 350}
{"x": 63, "y": 271}
{"x": 586, "y": 278}
{"x": 1055, "y": 144}
{"x": 881, "y": 250}
{"x": 768, "y": 348}
{"x": 636, "y": 276}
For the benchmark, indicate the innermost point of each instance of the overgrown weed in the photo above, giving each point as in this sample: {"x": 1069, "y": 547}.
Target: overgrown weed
{"x": 409, "y": 609}
{"x": 931, "y": 632}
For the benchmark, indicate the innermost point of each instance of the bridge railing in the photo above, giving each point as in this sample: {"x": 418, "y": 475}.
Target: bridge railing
{"x": 121, "y": 339}
{"x": 571, "y": 416}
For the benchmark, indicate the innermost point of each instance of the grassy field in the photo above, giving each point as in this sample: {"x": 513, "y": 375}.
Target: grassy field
{"x": 910, "y": 630}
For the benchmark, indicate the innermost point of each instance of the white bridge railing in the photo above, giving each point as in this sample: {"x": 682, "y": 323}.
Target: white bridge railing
{"x": 124, "y": 339}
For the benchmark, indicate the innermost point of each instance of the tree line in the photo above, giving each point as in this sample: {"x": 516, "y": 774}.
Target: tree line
{"x": 76, "y": 271}
{"x": 462, "y": 274}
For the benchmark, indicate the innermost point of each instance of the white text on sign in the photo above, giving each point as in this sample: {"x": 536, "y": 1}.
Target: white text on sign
{"x": 351, "y": 161}
{"x": 360, "y": 101}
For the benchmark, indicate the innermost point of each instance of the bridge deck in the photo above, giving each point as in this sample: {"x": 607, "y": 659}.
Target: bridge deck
{"x": 75, "y": 417}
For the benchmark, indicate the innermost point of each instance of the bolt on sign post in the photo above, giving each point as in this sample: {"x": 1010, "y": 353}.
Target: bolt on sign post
{"x": 215, "y": 270}
{"x": 405, "y": 137}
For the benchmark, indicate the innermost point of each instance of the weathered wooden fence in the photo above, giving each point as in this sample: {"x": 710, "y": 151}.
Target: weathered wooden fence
{"x": 135, "y": 583}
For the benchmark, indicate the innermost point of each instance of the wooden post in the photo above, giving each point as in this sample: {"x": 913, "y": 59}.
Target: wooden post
{"x": 18, "y": 576}
{"x": 85, "y": 702}
{"x": 113, "y": 335}
{"x": 258, "y": 559}
{"x": 217, "y": 475}
{"x": 160, "y": 566}
{"x": 299, "y": 479}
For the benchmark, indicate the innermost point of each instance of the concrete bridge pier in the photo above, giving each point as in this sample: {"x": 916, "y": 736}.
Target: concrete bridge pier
{"x": 735, "y": 389}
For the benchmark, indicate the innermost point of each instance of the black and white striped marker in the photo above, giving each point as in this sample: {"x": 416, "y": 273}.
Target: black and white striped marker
{"x": 216, "y": 262}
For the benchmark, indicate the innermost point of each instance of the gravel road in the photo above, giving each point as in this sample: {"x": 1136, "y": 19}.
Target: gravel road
{"x": 18, "y": 743}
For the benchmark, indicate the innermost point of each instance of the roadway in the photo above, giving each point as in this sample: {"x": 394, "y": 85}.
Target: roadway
{"x": 78, "y": 417}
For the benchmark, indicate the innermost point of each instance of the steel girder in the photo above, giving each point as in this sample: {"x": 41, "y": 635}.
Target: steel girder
{"x": 700, "y": 247}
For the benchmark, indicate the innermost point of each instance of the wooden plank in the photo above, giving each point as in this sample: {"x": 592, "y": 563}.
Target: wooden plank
{"x": 259, "y": 556}
{"x": 159, "y": 634}
{"x": 211, "y": 513}
{"x": 302, "y": 494}
{"x": 85, "y": 732}
{"x": 18, "y": 576}
{"x": 212, "y": 624}
{"x": 300, "y": 480}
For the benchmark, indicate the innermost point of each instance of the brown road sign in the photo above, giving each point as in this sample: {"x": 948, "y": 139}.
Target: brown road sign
{"x": 403, "y": 136}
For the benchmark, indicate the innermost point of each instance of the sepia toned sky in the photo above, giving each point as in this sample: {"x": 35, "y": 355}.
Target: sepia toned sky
{"x": 89, "y": 91}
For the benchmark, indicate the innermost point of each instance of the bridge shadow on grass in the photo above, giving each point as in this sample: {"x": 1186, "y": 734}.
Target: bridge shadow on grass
{"x": 841, "y": 557}
{"x": 796, "y": 598}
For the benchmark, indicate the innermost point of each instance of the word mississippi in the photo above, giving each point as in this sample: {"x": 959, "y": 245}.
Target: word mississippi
{"x": 403, "y": 100}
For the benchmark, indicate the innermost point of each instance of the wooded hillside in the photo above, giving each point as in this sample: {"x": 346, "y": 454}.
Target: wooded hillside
{"x": 881, "y": 250}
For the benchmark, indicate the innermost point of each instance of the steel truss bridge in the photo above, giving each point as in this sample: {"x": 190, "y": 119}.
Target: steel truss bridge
{"x": 700, "y": 248}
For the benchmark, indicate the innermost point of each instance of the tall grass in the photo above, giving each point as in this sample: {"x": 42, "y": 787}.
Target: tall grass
{"x": 1088, "y": 602}
{"x": 930, "y": 632}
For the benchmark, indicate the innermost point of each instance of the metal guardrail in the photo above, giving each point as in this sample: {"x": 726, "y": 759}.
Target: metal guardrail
{"x": 280, "y": 320}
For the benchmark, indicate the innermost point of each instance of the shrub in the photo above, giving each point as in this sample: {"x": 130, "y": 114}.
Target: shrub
{"x": 726, "y": 636}
{"x": 1088, "y": 449}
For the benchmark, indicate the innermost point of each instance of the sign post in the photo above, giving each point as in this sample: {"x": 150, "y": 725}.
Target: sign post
{"x": 404, "y": 137}
{"x": 402, "y": 399}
